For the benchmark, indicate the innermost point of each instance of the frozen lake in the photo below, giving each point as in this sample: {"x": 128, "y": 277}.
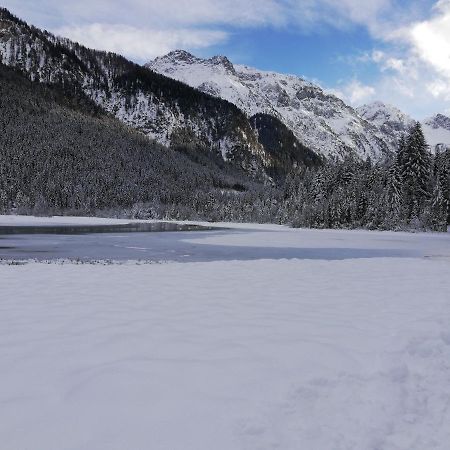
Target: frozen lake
{"x": 169, "y": 241}
{"x": 155, "y": 241}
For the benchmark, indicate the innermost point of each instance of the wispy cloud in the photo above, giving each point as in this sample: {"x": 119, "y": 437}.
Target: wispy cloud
{"x": 414, "y": 64}
{"x": 430, "y": 39}
{"x": 144, "y": 29}
{"x": 354, "y": 92}
{"x": 140, "y": 44}
{"x": 192, "y": 23}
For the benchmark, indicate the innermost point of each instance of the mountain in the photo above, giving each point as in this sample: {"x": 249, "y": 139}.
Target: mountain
{"x": 437, "y": 131}
{"x": 393, "y": 123}
{"x": 60, "y": 153}
{"x": 320, "y": 121}
{"x": 163, "y": 109}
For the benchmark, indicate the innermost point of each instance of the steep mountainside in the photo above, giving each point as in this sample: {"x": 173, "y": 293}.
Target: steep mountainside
{"x": 166, "y": 110}
{"x": 320, "y": 121}
{"x": 437, "y": 131}
{"x": 282, "y": 145}
{"x": 393, "y": 123}
{"x": 62, "y": 153}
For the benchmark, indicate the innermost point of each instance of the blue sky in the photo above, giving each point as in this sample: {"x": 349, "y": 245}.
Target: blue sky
{"x": 396, "y": 51}
{"x": 319, "y": 55}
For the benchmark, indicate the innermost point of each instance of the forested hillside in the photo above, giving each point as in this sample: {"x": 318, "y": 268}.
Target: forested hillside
{"x": 411, "y": 190}
{"x": 60, "y": 153}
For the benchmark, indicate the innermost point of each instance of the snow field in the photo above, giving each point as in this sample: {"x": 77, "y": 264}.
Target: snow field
{"x": 266, "y": 354}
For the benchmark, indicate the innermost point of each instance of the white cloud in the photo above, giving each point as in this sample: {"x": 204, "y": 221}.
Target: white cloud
{"x": 413, "y": 65}
{"x": 185, "y": 20}
{"x": 420, "y": 78}
{"x": 431, "y": 39}
{"x": 144, "y": 29}
{"x": 354, "y": 92}
{"x": 140, "y": 44}
{"x": 161, "y": 13}
{"x": 198, "y": 13}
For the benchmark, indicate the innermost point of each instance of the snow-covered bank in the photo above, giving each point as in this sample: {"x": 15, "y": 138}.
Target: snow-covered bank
{"x": 20, "y": 220}
{"x": 282, "y": 354}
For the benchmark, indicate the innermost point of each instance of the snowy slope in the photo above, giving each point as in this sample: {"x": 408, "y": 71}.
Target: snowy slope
{"x": 320, "y": 121}
{"x": 268, "y": 354}
{"x": 393, "y": 123}
{"x": 437, "y": 131}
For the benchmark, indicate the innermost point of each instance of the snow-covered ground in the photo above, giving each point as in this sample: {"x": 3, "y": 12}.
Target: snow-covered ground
{"x": 292, "y": 354}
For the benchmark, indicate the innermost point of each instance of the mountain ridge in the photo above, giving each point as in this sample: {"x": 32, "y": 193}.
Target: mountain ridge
{"x": 394, "y": 123}
{"x": 319, "y": 120}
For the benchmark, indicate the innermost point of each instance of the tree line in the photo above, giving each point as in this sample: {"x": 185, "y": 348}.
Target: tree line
{"x": 408, "y": 190}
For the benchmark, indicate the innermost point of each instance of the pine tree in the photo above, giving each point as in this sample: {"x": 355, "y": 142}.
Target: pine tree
{"x": 439, "y": 209}
{"x": 401, "y": 152}
{"x": 395, "y": 190}
{"x": 441, "y": 198}
{"x": 415, "y": 165}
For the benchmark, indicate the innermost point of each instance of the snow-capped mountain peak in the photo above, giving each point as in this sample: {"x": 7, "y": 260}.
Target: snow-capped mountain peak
{"x": 380, "y": 113}
{"x": 319, "y": 120}
{"x": 438, "y": 121}
{"x": 180, "y": 55}
{"x": 393, "y": 123}
{"x": 180, "y": 58}
{"x": 437, "y": 131}
{"x": 220, "y": 60}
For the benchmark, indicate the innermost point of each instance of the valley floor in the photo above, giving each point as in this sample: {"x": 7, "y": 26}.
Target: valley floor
{"x": 326, "y": 353}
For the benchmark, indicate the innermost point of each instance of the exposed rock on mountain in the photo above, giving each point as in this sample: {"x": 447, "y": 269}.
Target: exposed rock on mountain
{"x": 393, "y": 123}
{"x": 318, "y": 120}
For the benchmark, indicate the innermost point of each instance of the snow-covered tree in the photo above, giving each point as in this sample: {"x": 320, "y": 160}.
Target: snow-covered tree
{"x": 415, "y": 166}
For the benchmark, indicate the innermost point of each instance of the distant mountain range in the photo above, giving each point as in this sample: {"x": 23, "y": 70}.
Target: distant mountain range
{"x": 393, "y": 123}
{"x": 319, "y": 120}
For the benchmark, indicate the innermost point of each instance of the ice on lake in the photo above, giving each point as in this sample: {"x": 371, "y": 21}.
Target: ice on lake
{"x": 169, "y": 241}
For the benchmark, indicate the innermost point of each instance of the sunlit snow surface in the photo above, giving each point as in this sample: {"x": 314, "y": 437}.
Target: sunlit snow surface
{"x": 260, "y": 354}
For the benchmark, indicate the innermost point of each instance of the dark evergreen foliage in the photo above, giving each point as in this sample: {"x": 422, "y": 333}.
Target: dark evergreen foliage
{"x": 283, "y": 147}
{"x": 55, "y": 157}
{"x": 399, "y": 193}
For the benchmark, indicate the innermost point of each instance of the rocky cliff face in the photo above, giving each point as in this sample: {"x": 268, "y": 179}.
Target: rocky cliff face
{"x": 319, "y": 121}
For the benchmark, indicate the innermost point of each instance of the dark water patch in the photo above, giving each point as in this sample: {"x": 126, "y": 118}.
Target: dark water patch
{"x": 89, "y": 229}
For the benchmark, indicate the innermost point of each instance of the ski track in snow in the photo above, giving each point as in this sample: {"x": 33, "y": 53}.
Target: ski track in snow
{"x": 268, "y": 354}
